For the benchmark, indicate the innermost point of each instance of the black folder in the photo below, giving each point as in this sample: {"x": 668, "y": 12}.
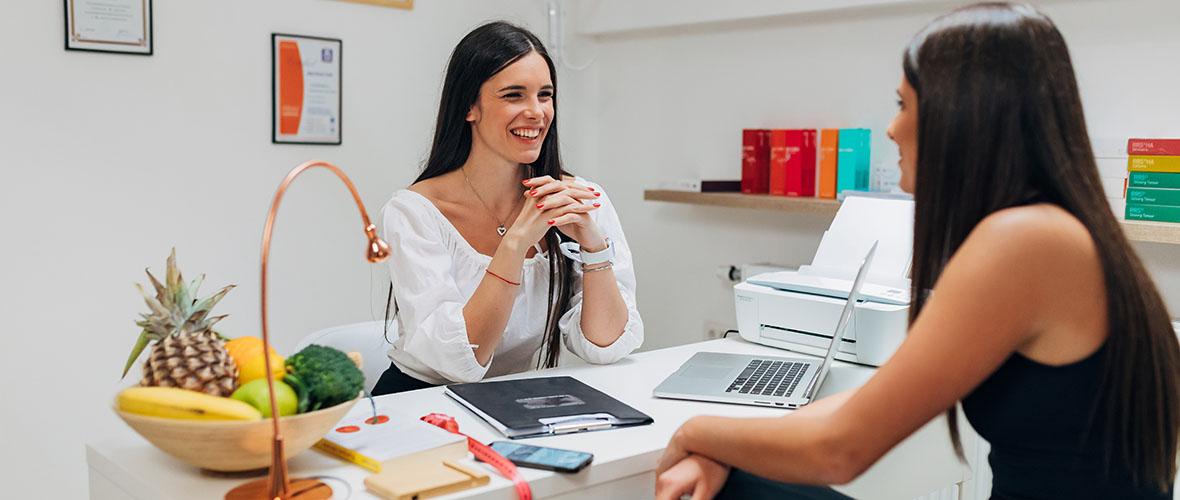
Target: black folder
{"x": 543, "y": 406}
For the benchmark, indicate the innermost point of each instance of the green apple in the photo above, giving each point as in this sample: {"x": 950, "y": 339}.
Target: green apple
{"x": 255, "y": 394}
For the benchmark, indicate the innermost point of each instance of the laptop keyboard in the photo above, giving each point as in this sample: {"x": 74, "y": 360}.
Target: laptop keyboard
{"x": 768, "y": 378}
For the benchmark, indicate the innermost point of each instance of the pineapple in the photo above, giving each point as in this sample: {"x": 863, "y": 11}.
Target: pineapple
{"x": 187, "y": 354}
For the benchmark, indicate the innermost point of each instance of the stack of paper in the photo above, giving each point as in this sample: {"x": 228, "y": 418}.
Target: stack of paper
{"x": 394, "y": 438}
{"x": 860, "y": 222}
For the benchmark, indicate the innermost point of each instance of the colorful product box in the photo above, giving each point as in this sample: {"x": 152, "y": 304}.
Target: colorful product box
{"x": 1154, "y": 180}
{"x": 784, "y": 144}
{"x": 755, "y": 161}
{"x": 1144, "y": 163}
{"x": 852, "y": 160}
{"x": 829, "y": 145}
{"x": 1157, "y": 213}
{"x": 1153, "y": 147}
{"x": 792, "y": 162}
{"x": 807, "y": 164}
{"x": 1148, "y": 196}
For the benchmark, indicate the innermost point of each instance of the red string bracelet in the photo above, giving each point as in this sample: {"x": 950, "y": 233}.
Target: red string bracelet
{"x": 489, "y": 271}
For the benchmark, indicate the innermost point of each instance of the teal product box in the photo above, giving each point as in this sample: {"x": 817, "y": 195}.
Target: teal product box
{"x": 1157, "y": 213}
{"x": 852, "y": 159}
{"x": 863, "y": 168}
{"x": 1149, "y": 196}
{"x": 1167, "y": 180}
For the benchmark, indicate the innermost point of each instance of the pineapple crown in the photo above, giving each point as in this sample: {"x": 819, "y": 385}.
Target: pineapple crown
{"x": 174, "y": 310}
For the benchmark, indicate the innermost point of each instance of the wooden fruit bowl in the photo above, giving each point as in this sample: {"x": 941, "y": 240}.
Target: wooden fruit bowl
{"x": 234, "y": 445}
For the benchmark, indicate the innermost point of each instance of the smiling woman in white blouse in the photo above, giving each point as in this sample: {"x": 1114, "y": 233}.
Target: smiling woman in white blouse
{"x": 500, "y": 255}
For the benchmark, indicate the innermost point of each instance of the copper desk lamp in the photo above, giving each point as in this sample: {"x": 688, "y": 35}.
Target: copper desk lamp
{"x": 277, "y": 485}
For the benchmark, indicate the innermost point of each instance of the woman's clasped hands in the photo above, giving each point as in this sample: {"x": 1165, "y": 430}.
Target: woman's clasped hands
{"x": 563, "y": 204}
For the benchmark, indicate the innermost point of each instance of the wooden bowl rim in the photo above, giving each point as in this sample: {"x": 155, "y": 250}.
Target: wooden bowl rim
{"x": 229, "y": 423}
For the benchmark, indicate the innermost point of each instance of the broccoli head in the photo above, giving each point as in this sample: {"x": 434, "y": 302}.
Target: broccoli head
{"x": 323, "y": 377}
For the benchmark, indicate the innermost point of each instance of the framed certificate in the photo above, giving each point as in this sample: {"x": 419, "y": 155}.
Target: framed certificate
{"x": 305, "y": 90}
{"x": 120, "y": 26}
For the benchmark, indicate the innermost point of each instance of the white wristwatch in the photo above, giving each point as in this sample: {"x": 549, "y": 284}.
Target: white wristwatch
{"x": 592, "y": 258}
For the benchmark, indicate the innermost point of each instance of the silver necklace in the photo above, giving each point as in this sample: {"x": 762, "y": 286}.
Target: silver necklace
{"x": 501, "y": 230}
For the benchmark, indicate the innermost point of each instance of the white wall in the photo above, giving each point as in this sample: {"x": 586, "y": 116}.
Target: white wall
{"x": 672, "y": 101}
{"x": 111, "y": 160}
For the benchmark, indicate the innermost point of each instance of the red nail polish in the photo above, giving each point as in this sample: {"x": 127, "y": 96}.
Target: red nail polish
{"x": 590, "y": 188}
{"x": 596, "y": 205}
{"x": 551, "y": 222}
{"x": 597, "y": 194}
{"x": 539, "y": 205}
{"x": 525, "y": 182}
{"x": 533, "y": 192}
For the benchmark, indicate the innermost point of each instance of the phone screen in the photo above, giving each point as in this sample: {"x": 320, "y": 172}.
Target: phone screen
{"x": 539, "y": 457}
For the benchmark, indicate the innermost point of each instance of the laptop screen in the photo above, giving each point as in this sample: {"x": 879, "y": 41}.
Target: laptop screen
{"x": 845, "y": 318}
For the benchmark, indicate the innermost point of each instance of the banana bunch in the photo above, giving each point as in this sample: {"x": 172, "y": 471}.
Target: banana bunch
{"x": 171, "y": 402}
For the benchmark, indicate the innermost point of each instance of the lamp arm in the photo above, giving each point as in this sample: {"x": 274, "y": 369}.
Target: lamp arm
{"x": 278, "y": 483}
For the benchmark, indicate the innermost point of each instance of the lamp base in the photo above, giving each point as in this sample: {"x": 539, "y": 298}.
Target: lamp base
{"x": 301, "y": 489}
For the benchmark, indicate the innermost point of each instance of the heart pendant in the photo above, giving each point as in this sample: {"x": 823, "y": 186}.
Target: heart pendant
{"x": 501, "y": 230}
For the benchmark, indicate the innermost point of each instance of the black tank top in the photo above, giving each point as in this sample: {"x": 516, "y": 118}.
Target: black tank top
{"x": 1035, "y": 417}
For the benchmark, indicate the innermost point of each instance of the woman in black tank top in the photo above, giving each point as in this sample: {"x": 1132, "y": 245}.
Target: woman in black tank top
{"x": 1029, "y": 304}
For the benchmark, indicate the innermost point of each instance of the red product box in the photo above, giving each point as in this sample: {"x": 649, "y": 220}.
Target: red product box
{"x": 1157, "y": 147}
{"x": 783, "y": 146}
{"x": 807, "y": 160}
{"x": 792, "y": 162}
{"x": 755, "y": 161}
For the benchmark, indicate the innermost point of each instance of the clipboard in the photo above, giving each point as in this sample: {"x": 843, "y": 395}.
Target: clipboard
{"x": 544, "y": 406}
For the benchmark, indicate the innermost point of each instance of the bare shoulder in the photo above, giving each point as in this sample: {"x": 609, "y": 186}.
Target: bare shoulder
{"x": 1034, "y": 235}
{"x": 1041, "y": 264}
{"x": 1041, "y": 248}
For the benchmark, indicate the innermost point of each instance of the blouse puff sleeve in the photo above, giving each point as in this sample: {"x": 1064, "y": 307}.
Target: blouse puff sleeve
{"x": 430, "y": 305}
{"x": 570, "y": 323}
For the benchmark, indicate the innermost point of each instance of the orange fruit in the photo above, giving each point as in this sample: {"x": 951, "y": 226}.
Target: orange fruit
{"x": 253, "y": 369}
{"x": 244, "y": 349}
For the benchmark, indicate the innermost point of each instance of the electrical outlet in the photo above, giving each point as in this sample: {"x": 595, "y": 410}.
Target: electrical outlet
{"x": 728, "y": 274}
{"x": 714, "y": 329}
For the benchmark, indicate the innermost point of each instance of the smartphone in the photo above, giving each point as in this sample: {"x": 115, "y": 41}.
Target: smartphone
{"x": 539, "y": 457}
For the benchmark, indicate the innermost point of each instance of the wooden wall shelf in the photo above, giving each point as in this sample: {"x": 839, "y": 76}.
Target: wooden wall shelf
{"x": 1155, "y": 232}
{"x": 739, "y": 200}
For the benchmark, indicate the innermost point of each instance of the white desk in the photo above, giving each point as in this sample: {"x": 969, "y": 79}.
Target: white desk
{"x": 127, "y": 467}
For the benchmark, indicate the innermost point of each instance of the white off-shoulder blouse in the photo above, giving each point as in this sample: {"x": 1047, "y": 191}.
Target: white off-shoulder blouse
{"x": 435, "y": 271}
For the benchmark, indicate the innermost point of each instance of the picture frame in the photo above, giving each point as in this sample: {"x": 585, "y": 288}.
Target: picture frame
{"x": 112, "y": 26}
{"x": 306, "y": 89}
{"x": 400, "y": 4}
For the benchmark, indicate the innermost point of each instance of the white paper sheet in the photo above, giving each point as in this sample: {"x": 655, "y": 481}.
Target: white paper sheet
{"x": 859, "y": 222}
{"x": 401, "y": 434}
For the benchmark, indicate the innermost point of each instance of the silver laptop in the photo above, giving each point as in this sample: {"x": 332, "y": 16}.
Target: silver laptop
{"x": 760, "y": 380}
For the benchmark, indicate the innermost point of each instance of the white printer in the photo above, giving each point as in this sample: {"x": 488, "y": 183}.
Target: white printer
{"x": 798, "y": 310}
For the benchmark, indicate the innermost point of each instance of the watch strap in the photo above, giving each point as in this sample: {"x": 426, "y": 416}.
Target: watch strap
{"x": 592, "y": 258}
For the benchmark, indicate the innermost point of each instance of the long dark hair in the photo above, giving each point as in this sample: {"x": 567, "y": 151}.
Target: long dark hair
{"x": 478, "y": 57}
{"x": 1000, "y": 123}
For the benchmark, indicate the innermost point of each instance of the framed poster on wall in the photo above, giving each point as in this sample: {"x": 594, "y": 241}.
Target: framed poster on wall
{"x": 119, "y": 26}
{"x": 306, "y": 89}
